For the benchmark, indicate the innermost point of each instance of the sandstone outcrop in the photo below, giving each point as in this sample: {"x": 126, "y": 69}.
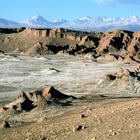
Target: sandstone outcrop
{"x": 36, "y": 32}
{"x": 114, "y": 41}
{"x": 125, "y": 81}
{"x": 54, "y": 33}
{"x": 135, "y": 43}
{"x": 1, "y": 52}
{"x": 37, "y": 49}
{"x": 48, "y": 93}
{"x": 37, "y": 99}
{"x": 5, "y": 124}
{"x": 134, "y": 47}
{"x": 22, "y": 102}
{"x": 116, "y": 45}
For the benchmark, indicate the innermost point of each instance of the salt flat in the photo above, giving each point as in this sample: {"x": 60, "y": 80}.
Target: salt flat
{"x": 70, "y": 74}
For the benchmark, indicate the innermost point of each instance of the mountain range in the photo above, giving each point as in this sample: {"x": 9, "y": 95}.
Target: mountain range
{"x": 100, "y": 24}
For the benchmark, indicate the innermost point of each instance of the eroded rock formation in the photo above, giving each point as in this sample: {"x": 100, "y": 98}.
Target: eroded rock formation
{"x": 120, "y": 44}
{"x": 37, "y": 99}
{"x": 125, "y": 81}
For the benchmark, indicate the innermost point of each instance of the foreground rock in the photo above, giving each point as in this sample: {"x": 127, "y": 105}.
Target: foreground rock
{"x": 5, "y": 124}
{"x": 123, "y": 74}
{"x": 37, "y": 99}
{"x": 117, "y": 120}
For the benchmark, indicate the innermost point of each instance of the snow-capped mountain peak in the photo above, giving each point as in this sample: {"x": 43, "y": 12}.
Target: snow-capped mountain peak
{"x": 134, "y": 19}
{"x": 101, "y": 24}
{"x": 36, "y": 21}
{"x": 57, "y": 23}
{"x": 86, "y": 18}
{"x": 8, "y": 24}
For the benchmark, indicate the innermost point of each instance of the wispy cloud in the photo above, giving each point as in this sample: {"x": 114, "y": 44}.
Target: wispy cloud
{"x": 132, "y": 3}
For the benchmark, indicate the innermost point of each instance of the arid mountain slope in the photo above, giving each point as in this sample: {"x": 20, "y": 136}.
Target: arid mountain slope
{"x": 29, "y": 41}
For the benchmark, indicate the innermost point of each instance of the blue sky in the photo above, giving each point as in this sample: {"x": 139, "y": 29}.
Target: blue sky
{"x": 19, "y": 10}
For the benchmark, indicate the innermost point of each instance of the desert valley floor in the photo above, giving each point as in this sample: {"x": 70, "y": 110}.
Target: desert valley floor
{"x": 59, "y": 84}
{"x": 96, "y": 114}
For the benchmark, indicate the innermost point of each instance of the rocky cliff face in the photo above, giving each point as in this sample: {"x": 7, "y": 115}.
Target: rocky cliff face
{"x": 134, "y": 46}
{"x": 30, "y": 41}
{"x": 60, "y": 33}
{"x": 114, "y": 41}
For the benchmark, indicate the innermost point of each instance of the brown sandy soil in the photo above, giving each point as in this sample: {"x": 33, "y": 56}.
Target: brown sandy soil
{"x": 114, "y": 121}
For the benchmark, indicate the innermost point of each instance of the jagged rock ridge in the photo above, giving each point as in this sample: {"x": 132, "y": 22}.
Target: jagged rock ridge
{"x": 119, "y": 44}
{"x": 40, "y": 98}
